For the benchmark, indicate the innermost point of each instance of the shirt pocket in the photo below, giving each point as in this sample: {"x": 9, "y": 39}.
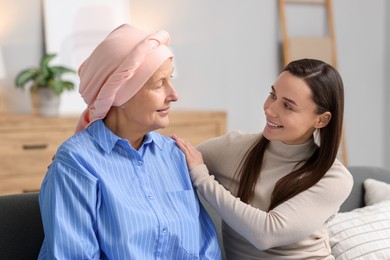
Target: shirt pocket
{"x": 186, "y": 207}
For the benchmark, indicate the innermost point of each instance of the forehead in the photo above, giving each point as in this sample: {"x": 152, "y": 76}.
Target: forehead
{"x": 165, "y": 70}
{"x": 291, "y": 87}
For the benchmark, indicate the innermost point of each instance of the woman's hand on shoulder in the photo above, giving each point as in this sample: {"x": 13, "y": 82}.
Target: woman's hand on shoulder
{"x": 193, "y": 156}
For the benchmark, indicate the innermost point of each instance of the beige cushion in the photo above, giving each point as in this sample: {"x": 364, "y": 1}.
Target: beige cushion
{"x": 375, "y": 191}
{"x": 363, "y": 233}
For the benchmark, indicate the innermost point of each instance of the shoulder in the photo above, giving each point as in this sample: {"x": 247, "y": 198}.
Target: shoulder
{"x": 236, "y": 139}
{"x": 75, "y": 148}
{"x": 339, "y": 171}
{"x": 78, "y": 152}
{"x": 226, "y": 150}
{"x": 165, "y": 143}
{"x": 240, "y": 136}
{"x": 77, "y": 141}
{"x": 71, "y": 163}
{"x": 162, "y": 140}
{"x": 338, "y": 179}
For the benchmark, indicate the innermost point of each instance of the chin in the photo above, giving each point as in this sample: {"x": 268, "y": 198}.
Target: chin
{"x": 162, "y": 124}
{"x": 268, "y": 137}
{"x": 267, "y": 134}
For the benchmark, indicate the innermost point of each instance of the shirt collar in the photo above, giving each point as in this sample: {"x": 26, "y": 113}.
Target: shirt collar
{"x": 156, "y": 138}
{"x": 107, "y": 139}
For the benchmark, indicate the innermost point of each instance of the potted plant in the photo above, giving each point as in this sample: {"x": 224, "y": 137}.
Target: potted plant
{"x": 46, "y": 85}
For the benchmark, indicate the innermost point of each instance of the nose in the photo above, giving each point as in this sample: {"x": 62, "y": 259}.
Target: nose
{"x": 270, "y": 108}
{"x": 172, "y": 96}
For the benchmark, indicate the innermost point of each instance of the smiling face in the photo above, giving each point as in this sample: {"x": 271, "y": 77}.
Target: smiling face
{"x": 291, "y": 112}
{"x": 148, "y": 109}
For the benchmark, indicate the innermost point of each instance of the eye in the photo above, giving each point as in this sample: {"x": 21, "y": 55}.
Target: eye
{"x": 273, "y": 96}
{"x": 160, "y": 84}
{"x": 288, "y": 106}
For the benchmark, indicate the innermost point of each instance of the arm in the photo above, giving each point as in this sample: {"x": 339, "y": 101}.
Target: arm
{"x": 68, "y": 201}
{"x": 290, "y": 222}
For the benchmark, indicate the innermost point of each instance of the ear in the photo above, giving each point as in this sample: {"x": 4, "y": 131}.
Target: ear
{"x": 323, "y": 120}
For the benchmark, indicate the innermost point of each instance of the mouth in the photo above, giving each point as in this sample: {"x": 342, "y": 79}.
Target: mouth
{"x": 164, "y": 110}
{"x": 273, "y": 125}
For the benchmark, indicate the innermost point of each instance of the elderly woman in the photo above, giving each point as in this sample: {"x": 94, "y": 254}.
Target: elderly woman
{"x": 116, "y": 189}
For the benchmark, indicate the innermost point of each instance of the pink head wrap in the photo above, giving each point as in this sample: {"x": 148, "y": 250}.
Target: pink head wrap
{"x": 118, "y": 68}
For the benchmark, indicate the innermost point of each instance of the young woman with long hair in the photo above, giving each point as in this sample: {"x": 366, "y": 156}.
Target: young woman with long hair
{"x": 277, "y": 190}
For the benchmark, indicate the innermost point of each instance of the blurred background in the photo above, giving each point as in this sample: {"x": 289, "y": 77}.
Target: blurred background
{"x": 227, "y": 55}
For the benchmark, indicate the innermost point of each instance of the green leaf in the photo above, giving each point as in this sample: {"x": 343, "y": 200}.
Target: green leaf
{"x": 46, "y": 76}
{"x": 44, "y": 65}
{"x": 25, "y": 76}
{"x": 68, "y": 85}
{"x": 41, "y": 80}
{"x": 45, "y": 60}
{"x": 57, "y": 87}
{"x": 59, "y": 70}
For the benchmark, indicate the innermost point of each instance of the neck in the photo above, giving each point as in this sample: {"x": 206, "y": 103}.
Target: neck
{"x": 118, "y": 123}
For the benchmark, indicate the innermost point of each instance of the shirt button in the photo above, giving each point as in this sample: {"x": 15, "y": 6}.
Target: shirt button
{"x": 139, "y": 163}
{"x": 151, "y": 197}
{"x": 165, "y": 230}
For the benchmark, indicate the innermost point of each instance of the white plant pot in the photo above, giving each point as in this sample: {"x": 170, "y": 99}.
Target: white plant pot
{"x": 45, "y": 102}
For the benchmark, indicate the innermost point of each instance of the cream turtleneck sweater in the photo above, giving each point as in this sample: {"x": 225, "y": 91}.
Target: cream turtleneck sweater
{"x": 296, "y": 229}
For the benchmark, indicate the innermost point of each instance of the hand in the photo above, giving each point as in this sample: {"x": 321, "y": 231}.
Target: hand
{"x": 193, "y": 156}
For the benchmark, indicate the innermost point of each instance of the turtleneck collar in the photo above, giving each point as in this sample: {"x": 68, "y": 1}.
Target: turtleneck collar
{"x": 296, "y": 152}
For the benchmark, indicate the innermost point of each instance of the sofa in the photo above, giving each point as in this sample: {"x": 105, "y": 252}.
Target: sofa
{"x": 354, "y": 214}
{"x": 21, "y": 231}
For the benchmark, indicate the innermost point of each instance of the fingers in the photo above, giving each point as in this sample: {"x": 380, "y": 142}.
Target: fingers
{"x": 189, "y": 151}
{"x": 177, "y": 139}
{"x": 183, "y": 144}
{"x": 179, "y": 142}
{"x": 193, "y": 156}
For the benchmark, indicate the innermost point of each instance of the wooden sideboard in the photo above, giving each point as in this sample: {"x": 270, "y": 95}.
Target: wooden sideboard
{"x": 28, "y": 143}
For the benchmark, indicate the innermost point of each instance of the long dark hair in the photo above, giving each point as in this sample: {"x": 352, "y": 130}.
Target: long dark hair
{"x": 328, "y": 94}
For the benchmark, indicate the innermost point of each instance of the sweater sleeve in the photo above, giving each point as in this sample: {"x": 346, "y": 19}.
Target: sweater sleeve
{"x": 290, "y": 222}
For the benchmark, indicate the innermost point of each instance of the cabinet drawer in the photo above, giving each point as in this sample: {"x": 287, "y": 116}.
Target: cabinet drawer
{"x": 20, "y": 184}
{"x": 27, "y": 154}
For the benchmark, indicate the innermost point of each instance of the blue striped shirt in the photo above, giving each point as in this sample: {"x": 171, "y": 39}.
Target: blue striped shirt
{"x": 102, "y": 199}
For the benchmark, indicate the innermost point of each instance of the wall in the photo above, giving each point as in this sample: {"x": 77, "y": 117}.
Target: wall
{"x": 226, "y": 53}
{"x": 21, "y": 39}
{"x": 386, "y": 118}
{"x": 227, "y": 57}
{"x": 361, "y": 43}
